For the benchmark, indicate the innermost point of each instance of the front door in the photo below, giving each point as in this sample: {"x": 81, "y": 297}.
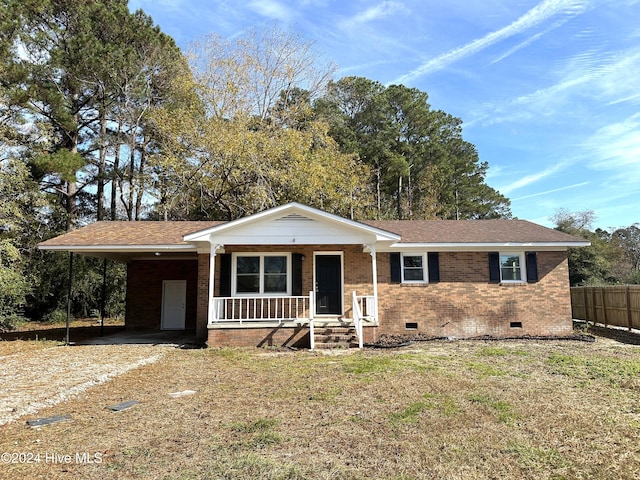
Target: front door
{"x": 174, "y": 295}
{"x": 328, "y": 284}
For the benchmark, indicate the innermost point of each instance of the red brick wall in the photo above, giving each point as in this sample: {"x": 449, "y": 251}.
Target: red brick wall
{"x": 357, "y": 276}
{"x": 259, "y": 337}
{"x": 464, "y": 304}
{"x": 144, "y": 291}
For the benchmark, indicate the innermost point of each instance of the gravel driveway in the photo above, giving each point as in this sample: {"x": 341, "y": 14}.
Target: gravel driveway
{"x": 30, "y": 381}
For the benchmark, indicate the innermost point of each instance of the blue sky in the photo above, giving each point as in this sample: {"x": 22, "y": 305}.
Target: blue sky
{"x": 548, "y": 90}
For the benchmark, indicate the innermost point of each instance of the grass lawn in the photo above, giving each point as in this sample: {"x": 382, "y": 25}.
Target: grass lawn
{"x": 451, "y": 410}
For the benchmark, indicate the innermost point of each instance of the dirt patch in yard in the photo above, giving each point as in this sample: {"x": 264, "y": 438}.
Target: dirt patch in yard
{"x": 34, "y": 379}
{"x": 38, "y": 335}
{"x": 440, "y": 409}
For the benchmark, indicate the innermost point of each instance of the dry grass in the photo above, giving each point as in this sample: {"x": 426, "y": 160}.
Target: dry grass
{"x": 37, "y": 335}
{"x": 459, "y": 410}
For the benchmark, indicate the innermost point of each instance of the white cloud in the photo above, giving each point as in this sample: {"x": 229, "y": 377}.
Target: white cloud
{"x": 529, "y": 41}
{"x": 535, "y": 177}
{"x": 385, "y": 9}
{"x": 271, "y": 9}
{"x": 598, "y": 78}
{"x": 616, "y": 146}
{"x": 540, "y": 13}
{"x": 382, "y": 10}
{"x": 546, "y": 192}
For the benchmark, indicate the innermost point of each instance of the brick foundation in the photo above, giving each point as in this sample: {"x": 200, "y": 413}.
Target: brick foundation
{"x": 259, "y": 337}
{"x": 297, "y": 337}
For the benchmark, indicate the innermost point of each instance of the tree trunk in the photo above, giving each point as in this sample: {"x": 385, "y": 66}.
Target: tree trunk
{"x": 72, "y": 186}
{"x": 378, "y": 174}
{"x": 72, "y": 207}
{"x": 400, "y": 197}
{"x": 131, "y": 175}
{"x": 114, "y": 177}
{"x": 102, "y": 164}
{"x": 141, "y": 179}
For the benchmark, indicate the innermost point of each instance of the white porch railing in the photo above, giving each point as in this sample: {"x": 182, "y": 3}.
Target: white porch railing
{"x": 299, "y": 309}
{"x": 261, "y": 309}
{"x": 363, "y": 309}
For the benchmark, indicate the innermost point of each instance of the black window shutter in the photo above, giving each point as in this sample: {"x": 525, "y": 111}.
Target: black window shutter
{"x": 225, "y": 274}
{"x": 394, "y": 260}
{"x": 296, "y": 274}
{"x": 494, "y": 267}
{"x": 433, "y": 259}
{"x": 532, "y": 267}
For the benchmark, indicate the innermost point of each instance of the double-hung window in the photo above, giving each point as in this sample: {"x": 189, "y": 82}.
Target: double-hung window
{"x": 510, "y": 267}
{"x": 414, "y": 268}
{"x": 513, "y": 267}
{"x": 262, "y": 274}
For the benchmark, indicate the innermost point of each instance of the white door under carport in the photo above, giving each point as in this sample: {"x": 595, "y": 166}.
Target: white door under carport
{"x": 174, "y": 296}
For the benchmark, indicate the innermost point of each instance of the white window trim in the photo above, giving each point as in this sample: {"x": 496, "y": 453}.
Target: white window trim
{"x": 523, "y": 266}
{"x": 260, "y": 293}
{"x": 425, "y": 269}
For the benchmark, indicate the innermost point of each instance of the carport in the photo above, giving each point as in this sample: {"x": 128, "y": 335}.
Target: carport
{"x": 162, "y": 273}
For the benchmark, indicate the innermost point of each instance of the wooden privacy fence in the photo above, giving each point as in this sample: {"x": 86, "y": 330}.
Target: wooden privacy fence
{"x": 616, "y": 305}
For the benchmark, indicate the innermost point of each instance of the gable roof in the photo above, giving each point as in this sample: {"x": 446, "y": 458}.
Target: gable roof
{"x": 294, "y": 219}
{"x": 128, "y": 234}
{"x": 126, "y": 241}
{"x": 472, "y": 232}
{"x": 183, "y": 236}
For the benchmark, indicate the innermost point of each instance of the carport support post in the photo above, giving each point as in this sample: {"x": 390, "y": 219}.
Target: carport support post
{"x": 103, "y": 300}
{"x": 69, "y": 293}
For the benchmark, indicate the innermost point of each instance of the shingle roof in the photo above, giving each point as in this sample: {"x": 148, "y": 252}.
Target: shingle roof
{"x": 472, "y": 231}
{"x": 128, "y": 233}
{"x": 412, "y": 231}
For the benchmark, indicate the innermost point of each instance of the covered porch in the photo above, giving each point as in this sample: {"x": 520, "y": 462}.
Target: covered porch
{"x": 289, "y": 267}
{"x": 290, "y": 311}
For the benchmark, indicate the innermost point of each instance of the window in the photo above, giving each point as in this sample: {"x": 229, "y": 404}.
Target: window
{"x": 247, "y": 274}
{"x": 261, "y": 274}
{"x": 413, "y": 268}
{"x": 510, "y": 267}
{"x": 275, "y": 274}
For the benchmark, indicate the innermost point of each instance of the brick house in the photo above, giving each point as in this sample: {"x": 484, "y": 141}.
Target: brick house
{"x": 295, "y": 275}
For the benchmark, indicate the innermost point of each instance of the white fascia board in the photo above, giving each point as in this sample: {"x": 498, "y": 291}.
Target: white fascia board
{"x": 482, "y": 247}
{"x": 119, "y": 248}
{"x": 288, "y": 209}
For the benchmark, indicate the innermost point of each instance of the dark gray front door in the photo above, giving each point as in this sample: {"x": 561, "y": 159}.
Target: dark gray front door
{"x": 329, "y": 284}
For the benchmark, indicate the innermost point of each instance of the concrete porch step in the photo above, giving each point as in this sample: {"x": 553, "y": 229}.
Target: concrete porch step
{"x": 329, "y": 346}
{"x": 336, "y": 330}
{"x": 335, "y": 337}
